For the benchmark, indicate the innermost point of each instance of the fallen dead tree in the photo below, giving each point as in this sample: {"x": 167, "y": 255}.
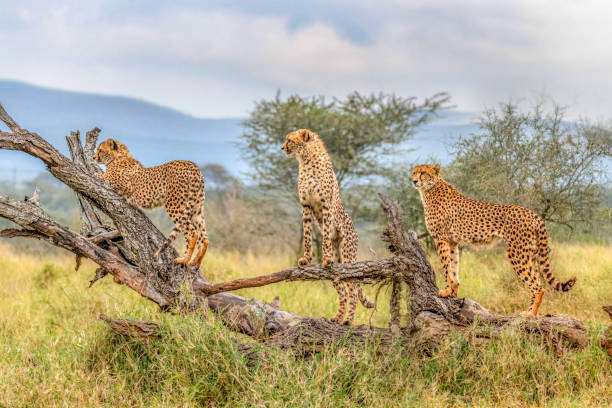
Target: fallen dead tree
{"x": 126, "y": 251}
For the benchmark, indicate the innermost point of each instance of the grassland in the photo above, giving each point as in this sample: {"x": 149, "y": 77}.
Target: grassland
{"x": 54, "y": 351}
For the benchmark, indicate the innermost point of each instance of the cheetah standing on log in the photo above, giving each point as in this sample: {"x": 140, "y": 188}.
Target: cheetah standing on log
{"x": 178, "y": 185}
{"x": 320, "y": 198}
{"x": 454, "y": 220}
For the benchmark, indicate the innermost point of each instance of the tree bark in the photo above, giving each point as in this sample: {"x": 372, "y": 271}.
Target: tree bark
{"x": 606, "y": 343}
{"x": 126, "y": 251}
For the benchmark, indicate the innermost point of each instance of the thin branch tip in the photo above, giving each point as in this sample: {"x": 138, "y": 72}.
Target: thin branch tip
{"x": 8, "y": 120}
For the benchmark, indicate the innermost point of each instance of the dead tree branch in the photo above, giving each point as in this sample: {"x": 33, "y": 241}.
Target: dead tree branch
{"x": 158, "y": 279}
{"x": 606, "y": 343}
{"x": 133, "y": 328}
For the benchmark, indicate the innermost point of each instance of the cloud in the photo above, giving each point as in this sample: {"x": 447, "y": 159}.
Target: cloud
{"x": 215, "y": 59}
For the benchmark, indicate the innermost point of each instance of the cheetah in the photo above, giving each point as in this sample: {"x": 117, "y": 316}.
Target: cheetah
{"x": 453, "y": 220}
{"x": 319, "y": 195}
{"x": 178, "y": 185}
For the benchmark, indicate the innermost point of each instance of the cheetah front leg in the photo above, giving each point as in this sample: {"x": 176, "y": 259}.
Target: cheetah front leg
{"x": 307, "y": 215}
{"x": 454, "y": 269}
{"x": 444, "y": 249}
{"x": 326, "y": 231}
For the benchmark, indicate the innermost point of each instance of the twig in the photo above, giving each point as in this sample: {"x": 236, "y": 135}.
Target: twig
{"x": 6, "y": 118}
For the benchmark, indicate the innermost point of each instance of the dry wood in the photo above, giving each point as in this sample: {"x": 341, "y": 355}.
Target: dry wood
{"x": 394, "y": 306}
{"x": 132, "y": 328}
{"x": 606, "y": 343}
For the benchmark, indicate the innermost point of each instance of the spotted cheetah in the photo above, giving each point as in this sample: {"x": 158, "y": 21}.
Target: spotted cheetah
{"x": 178, "y": 185}
{"x": 320, "y": 198}
{"x": 454, "y": 220}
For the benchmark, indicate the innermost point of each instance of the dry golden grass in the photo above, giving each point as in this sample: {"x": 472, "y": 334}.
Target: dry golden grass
{"x": 485, "y": 273}
{"x": 54, "y": 351}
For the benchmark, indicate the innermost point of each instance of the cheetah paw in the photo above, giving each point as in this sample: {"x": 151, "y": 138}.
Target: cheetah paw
{"x": 327, "y": 262}
{"x": 528, "y": 314}
{"x": 181, "y": 260}
{"x": 303, "y": 261}
{"x": 336, "y": 319}
{"x": 445, "y": 293}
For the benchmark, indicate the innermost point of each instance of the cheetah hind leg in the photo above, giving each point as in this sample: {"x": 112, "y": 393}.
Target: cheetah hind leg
{"x": 522, "y": 259}
{"x": 191, "y": 243}
{"x": 202, "y": 242}
{"x": 341, "y": 289}
{"x": 203, "y": 246}
{"x": 352, "y": 303}
{"x": 536, "y": 300}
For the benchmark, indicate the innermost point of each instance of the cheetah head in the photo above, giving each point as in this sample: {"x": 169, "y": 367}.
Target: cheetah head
{"x": 296, "y": 141}
{"x": 109, "y": 150}
{"x": 426, "y": 176}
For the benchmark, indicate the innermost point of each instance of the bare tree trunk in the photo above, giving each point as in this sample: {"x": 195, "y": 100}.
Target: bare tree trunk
{"x": 126, "y": 250}
{"x": 129, "y": 257}
{"x": 607, "y": 341}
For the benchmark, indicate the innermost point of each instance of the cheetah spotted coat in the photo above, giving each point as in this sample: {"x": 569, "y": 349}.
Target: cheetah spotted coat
{"x": 454, "y": 220}
{"x": 320, "y": 198}
{"x": 177, "y": 185}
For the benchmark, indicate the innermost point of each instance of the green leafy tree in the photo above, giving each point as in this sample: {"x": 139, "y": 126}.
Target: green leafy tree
{"x": 536, "y": 159}
{"x": 359, "y": 132}
{"x": 218, "y": 178}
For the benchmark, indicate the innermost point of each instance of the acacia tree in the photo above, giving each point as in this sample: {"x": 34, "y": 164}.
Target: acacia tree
{"x": 358, "y": 132}
{"x": 537, "y": 159}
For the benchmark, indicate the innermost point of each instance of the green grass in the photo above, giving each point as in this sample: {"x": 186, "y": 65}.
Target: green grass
{"x": 55, "y": 352}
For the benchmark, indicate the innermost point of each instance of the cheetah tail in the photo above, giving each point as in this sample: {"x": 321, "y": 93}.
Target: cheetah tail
{"x": 168, "y": 241}
{"x": 363, "y": 299}
{"x": 544, "y": 255}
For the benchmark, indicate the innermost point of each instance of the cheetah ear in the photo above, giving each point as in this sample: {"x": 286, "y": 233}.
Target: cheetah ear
{"x": 115, "y": 147}
{"x": 306, "y": 135}
{"x": 437, "y": 168}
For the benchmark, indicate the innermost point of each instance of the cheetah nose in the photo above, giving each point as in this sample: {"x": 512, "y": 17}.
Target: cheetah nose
{"x": 415, "y": 182}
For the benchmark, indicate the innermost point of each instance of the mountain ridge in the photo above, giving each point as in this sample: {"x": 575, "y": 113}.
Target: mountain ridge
{"x": 157, "y": 134}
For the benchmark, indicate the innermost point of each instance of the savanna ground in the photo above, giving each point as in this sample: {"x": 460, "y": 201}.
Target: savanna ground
{"x": 55, "y": 352}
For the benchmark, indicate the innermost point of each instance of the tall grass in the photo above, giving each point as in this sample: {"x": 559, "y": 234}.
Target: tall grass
{"x": 55, "y": 352}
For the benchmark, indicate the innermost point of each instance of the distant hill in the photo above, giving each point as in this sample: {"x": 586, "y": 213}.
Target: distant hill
{"x": 156, "y": 134}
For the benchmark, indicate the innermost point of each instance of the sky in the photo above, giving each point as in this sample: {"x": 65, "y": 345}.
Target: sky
{"x": 215, "y": 58}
